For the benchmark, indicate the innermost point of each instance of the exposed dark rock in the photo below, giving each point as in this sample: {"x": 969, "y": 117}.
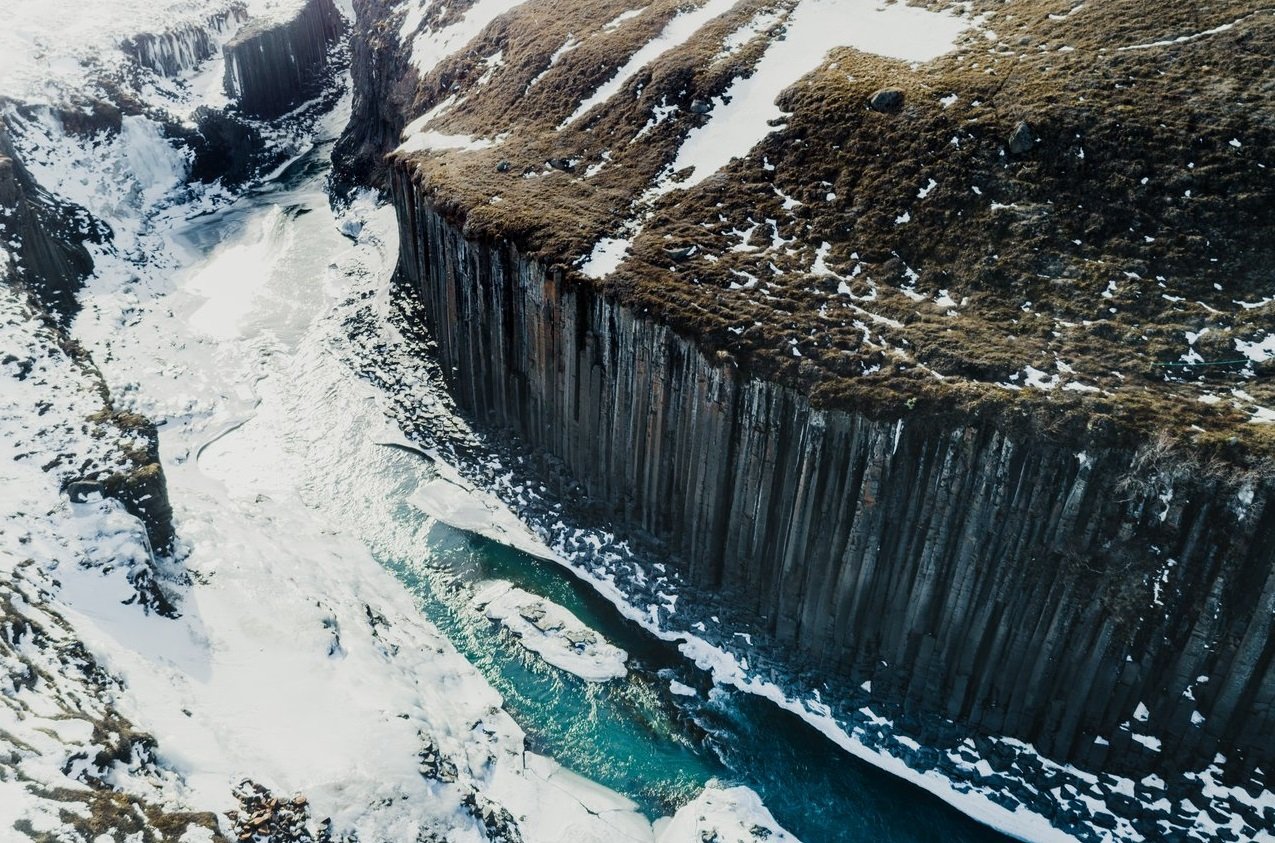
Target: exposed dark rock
{"x": 1022, "y": 139}
{"x": 263, "y": 816}
{"x": 498, "y": 824}
{"x": 44, "y": 237}
{"x": 886, "y": 99}
{"x": 81, "y": 491}
{"x": 273, "y": 67}
{"x": 1011, "y": 584}
{"x": 225, "y": 147}
{"x": 138, "y": 483}
{"x": 383, "y": 85}
{"x": 144, "y": 493}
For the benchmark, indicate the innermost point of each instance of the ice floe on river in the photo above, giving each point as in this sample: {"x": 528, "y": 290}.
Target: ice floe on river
{"x": 552, "y": 632}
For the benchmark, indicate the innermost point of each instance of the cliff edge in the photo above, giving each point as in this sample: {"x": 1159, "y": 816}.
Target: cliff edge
{"x": 934, "y": 343}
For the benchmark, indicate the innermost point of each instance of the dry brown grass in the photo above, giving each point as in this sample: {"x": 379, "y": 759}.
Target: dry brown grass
{"x": 1106, "y": 120}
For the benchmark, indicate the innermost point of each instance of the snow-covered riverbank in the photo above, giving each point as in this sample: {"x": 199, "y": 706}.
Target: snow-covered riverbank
{"x": 295, "y": 660}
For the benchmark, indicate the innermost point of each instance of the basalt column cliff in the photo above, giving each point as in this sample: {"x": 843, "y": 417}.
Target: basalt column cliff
{"x": 928, "y": 384}
{"x": 994, "y": 577}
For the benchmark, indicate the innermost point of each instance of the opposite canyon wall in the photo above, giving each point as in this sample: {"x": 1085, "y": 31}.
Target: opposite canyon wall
{"x": 1009, "y": 583}
{"x": 274, "y": 66}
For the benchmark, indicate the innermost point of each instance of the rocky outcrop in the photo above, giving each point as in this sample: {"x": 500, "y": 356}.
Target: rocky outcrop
{"x": 275, "y": 65}
{"x": 177, "y": 50}
{"x": 43, "y": 238}
{"x": 384, "y": 87}
{"x": 1111, "y": 605}
{"x": 226, "y": 147}
{"x": 140, "y": 485}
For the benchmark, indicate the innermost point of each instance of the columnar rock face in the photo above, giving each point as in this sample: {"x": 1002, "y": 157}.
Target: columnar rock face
{"x": 273, "y": 66}
{"x": 382, "y": 79}
{"x": 1080, "y": 598}
{"x": 44, "y": 238}
{"x": 176, "y": 50}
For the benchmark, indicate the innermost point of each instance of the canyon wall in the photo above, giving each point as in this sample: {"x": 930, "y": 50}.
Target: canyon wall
{"x": 44, "y": 238}
{"x": 44, "y": 256}
{"x": 1013, "y": 584}
{"x": 177, "y": 50}
{"x": 274, "y": 66}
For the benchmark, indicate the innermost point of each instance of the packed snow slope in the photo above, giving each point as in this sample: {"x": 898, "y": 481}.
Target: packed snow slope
{"x": 1056, "y": 214}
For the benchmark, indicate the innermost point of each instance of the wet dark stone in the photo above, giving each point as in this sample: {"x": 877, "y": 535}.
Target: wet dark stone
{"x": 81, "y": 491}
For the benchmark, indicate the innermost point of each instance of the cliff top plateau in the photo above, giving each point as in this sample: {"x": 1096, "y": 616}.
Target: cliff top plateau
{"x": 1047, "y": 213}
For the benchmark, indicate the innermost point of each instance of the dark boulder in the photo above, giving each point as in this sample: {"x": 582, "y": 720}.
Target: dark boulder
{"x": 1022, "y": 139}
{"x": 886, "y": 100}
{"x": 225, "y": 147}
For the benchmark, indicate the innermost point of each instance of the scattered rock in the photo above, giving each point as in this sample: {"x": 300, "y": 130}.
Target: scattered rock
{"x": 434, "y": 765}
{"x": 500, "y": 825}
{"x": 262, "y": 816}
{"x": 886, "y": 99}
{"x": 503, "y": 167}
